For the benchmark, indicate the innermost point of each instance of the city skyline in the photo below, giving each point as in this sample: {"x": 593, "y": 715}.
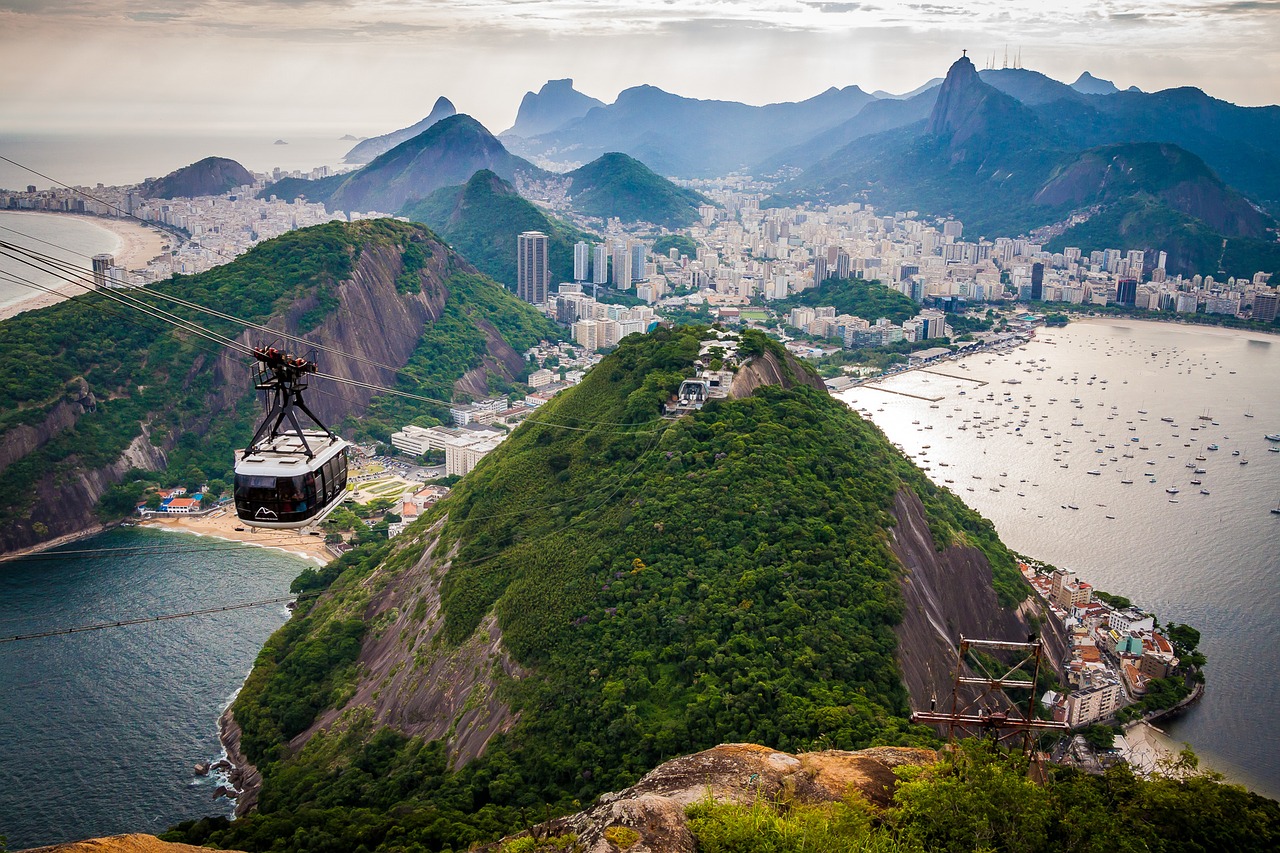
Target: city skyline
{"x": 317, "y": 64}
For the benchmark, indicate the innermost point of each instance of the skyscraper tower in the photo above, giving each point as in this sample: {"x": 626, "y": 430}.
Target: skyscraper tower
{"x": 533, "y": 276}
{"x": 1037, "y": 281}
{"x": 621, "y": 267}
{"x": 101, "y": 263}
{"x": 581, "y": 259}
{"x": 599, "y": 267}
{"x": 638, "y": 254}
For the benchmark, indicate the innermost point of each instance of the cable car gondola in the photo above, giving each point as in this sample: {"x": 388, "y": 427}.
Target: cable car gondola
{"x": 288, "y": 477}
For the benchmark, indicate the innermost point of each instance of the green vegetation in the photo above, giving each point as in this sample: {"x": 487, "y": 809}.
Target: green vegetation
{"x": 682, "y": 243}
{"x": 669, "y": 585}
{"x": 621, "y": 186}
{"x": 868, "y": 299}
{"x": 481, "y": 220}
{"x": 1148, "y": 222}
{"x": 979, "y": 798}
{"x": 144, "y": 375}
{"x": 455, "y": 343}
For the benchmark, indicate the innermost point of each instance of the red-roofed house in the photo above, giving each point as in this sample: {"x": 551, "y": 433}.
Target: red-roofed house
{"x": 181, "y": 506}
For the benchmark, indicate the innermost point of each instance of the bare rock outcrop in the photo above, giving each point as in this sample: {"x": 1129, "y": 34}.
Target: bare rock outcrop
{"x": 947, "y": 594}
{"x": 768, "y": 369}
{"x": 412, "y": 681}
{"x": 135, "y": 843}
{"x": 651, "y": 813}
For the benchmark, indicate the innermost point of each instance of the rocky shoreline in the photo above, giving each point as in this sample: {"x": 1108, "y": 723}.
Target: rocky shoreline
{"x": 244, "y": 782}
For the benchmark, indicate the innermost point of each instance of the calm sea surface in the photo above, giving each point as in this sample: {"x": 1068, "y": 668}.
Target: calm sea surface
{"x": 1022, "y": 454}
{"x": 73, "y": 239}
{"x": 118, "y": 160}
{"x": 99, "y": 730}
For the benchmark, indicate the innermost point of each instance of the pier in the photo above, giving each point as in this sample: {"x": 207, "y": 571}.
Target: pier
{"x": 905, "y": 394}
{"x": 977, "y": 382}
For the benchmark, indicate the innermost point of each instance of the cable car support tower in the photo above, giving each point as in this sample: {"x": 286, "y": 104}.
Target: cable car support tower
{"x": 980, "y": 706}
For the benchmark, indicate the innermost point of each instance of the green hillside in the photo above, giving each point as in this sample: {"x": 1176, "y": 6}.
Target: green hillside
{"x": 136, "y": 374}
{"x": 482, "y": 218}
{"x": 868, "y": 299}
{"x": 666, "y": 585}
{"x": 621, "y": 186}
{"x": 1144, "y": 221}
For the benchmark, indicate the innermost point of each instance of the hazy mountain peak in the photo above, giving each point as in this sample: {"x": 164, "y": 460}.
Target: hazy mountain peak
{"x": 961, "y": 96}
{"x": 557, "y": 103}
{"x": 210, "y": 176}
{"x": 374, "y": 146}
{"x": 1087, "y": 84}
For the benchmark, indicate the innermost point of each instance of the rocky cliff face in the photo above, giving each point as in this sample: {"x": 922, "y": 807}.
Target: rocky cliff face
{"x": 554, "y": 105}
{"x": 948, "y": 594}
{"x": 651, "y": 813}
{"x": 968, "y": 109}
{"x": 1173, "y": 174}
{"x": 769, "y": 369}
{"x": 413, "y": 681}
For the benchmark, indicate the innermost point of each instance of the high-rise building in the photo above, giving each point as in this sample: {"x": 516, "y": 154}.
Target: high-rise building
{"x": 621, "y": 267}
{"x": 581, "y": 260}
{"x": 1037, "y": 281}
{"x": 1266, "y": 306}
{"x": 638, "y": 253}
{"x": 1127, "y": 291}
{"x": 101, "y": 263}
{"x": 843, "y": 265}
{"x": 600, "y": 264}
{"x": 533, "y": 276}
{"x": 819, "y": 270}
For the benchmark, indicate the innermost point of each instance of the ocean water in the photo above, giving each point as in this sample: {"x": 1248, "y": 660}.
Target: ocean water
{"x": 74, "y": 239}
{"x": 99, "y": 731}
{"x": 120, "y": 159}
{"x": 1207, "y": 560}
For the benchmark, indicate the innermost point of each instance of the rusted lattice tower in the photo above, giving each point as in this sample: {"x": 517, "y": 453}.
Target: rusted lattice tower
{"x": 981, "y": 705}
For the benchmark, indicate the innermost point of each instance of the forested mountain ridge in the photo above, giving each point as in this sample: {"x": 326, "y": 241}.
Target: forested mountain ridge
{"x": 115, "y": 390}
{"x": 608, "y": 589}
{"x": 616, "y": 185}
{"x": 482, "y": 219}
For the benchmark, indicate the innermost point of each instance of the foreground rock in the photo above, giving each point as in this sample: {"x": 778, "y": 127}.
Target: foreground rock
{"x": 654, "y": 808}
{"x": 119, "y": 844}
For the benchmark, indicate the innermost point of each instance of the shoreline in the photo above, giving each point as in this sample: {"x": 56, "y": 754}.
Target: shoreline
{"x": 223, "y": 526}
{"x": 65, "y": 539}
{"x": 136, "y": 246}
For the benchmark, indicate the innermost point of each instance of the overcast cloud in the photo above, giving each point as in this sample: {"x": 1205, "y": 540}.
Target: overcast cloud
{"x": 368, "y": 66}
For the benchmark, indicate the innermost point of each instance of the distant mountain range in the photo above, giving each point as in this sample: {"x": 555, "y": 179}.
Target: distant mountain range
{"x": 370, "y": 148}
{"x": 687, "y": 137}
{"x": 446, "y": 154}
{"x": 1011, "y": 150}
{"x": 555, "y": 104}
{"x": 1007, "y": 150}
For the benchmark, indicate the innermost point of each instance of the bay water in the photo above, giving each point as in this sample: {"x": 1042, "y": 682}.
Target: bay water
{"x": 1074, "y": 446}
{"x": 99, "y": 731}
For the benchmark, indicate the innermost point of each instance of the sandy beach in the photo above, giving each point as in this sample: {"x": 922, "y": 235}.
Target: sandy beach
{"x": 223, "y": 526}
{"x": 136, "y": 245}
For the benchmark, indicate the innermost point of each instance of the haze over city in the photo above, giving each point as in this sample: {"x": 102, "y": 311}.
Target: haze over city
{"x": 365, "y": 66}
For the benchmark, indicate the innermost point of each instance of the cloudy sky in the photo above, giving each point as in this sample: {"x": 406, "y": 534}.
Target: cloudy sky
{"x": 368, "y": 66}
